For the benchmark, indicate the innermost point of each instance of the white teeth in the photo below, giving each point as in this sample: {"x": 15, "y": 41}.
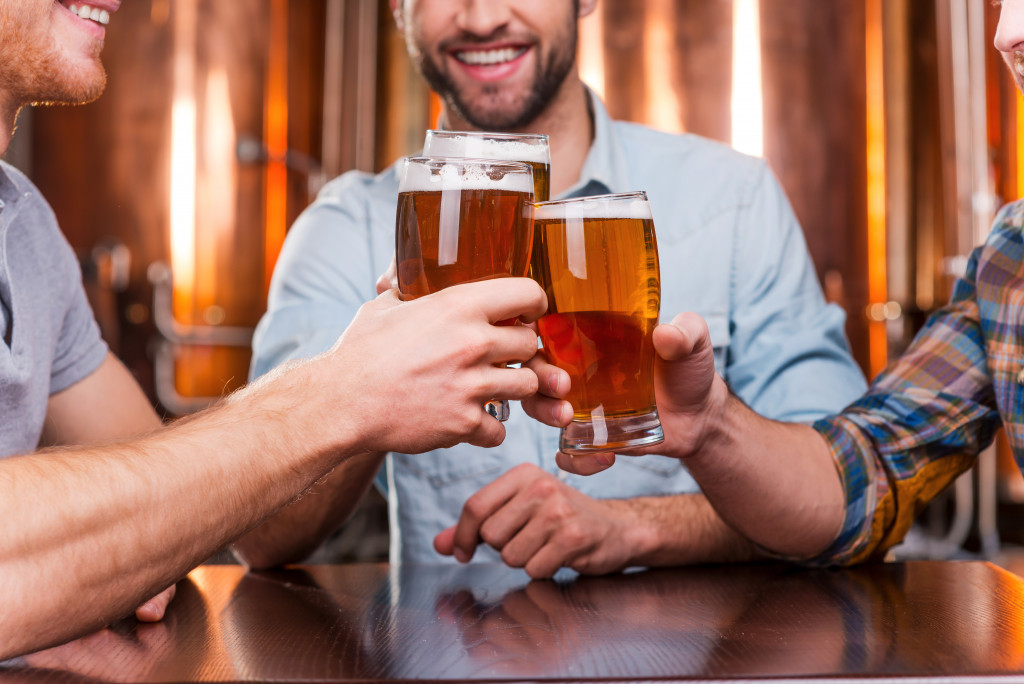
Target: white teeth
{"x": 100, "y": 16}
{"x": 489, "y": 57}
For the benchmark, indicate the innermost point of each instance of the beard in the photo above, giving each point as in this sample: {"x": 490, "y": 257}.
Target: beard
{"x": 497, "y": 109}
{"x": 35, "y": 70}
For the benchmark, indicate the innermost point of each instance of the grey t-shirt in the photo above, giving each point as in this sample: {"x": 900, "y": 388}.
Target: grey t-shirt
{"x": 49, "y": 339}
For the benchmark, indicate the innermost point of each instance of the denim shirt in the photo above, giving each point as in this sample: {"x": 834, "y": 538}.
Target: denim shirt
{"x": 730, "y": 249}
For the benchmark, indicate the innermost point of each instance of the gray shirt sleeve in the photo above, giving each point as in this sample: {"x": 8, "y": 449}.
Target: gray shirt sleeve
{"x": 80, "y": 349}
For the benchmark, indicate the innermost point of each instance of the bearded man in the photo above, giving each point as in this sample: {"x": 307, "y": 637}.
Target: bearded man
{"x": 730, "y": 249}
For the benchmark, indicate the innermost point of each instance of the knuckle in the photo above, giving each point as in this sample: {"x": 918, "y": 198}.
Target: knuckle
{"x": 475, "y": 508}
{"x": 574, "y": 536}
{"x": 545, "y": 488}
{"x": 490, "y": 534}
{"x": 511, "y": 558}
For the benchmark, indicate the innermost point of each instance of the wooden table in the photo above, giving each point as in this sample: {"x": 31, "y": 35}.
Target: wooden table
{"x": 961, "y": 621}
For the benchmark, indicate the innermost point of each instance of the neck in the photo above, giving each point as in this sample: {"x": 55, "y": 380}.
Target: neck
{"x": 569, "y": 127}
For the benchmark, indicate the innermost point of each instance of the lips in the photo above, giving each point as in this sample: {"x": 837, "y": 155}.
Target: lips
{"x": 96, "y": 11}
{"x": 489, "y": 57}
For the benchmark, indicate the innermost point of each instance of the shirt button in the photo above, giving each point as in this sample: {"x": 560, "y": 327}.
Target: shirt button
{"x": 1020, "y": 377}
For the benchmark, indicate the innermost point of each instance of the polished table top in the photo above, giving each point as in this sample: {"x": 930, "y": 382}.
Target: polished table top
{"x": 915, "y": 620}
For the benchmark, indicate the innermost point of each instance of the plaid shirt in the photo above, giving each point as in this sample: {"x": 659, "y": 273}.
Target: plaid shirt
{"x": 927, "y": 416}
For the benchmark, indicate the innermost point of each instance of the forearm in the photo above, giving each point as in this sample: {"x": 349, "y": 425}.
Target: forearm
{"x": 774, "y": 483}
{"x": 123, "y": 522}
{"x": 682, "y": 529}
{"x": 296, "y": 530}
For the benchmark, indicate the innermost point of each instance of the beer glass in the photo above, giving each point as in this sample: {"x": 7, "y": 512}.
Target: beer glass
{"x": 462, "y": 220}
{"x": 529, "y": 148}
{"x": 597, "y": 260}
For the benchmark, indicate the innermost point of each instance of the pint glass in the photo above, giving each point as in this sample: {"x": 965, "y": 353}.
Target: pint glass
{"x": 461, "y": 220}
{"x": 597, "y": 260}
{"x": 529, "y": 148}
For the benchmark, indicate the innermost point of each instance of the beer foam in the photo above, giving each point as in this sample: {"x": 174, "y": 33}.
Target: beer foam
{"x": 486, "y": 148}
{"x": 593, "y": 208}
{"x": 425, "y": 178}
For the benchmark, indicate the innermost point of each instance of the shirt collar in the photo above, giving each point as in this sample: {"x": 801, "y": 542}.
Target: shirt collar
{"x": 604, "y": 170}
{"x": 9, "y": 192}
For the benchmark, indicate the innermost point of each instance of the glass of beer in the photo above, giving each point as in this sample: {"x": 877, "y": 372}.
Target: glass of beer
{"x": 529, "y": 148}
{"x": 462, "y": 220}
{"x": 597, "y": 260}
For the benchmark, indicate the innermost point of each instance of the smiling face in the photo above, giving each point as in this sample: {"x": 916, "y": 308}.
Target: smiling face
{"x": 496, "y": 63}
{"x": 50, "y": 50}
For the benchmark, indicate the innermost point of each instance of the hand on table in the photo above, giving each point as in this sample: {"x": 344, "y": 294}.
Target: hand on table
{"x": 542, "y": 524}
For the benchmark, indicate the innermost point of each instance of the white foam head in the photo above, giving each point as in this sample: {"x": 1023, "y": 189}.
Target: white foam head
{"x": 482, "y": 147}
{"x": 465, "y": 174}
{"x": 604, "y": 207}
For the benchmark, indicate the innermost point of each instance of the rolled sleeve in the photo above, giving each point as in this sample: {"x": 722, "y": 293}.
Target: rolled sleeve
{"x": 921, "y": 424}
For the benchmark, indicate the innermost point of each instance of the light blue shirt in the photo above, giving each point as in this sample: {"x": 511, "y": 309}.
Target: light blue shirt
{"x": 730, "y": 249}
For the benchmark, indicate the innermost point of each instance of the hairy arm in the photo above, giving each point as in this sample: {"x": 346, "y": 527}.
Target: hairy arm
{"x": 87, "y": 533}
{"x": 299, "y": 528}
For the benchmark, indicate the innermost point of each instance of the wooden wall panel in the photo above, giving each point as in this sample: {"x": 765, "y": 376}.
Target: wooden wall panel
{"x": 815, "y": 136}
{"x": 106, "y": 166}
{"x": 703, "y": 66}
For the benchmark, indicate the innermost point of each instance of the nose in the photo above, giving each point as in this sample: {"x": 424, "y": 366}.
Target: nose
{"x": 1010, "y": 32}
{"x": 482, "y": 17}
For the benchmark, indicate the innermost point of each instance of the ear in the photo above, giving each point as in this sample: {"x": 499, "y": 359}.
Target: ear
{"x": 396, "y": 12}
{"x": 587, "y": 7}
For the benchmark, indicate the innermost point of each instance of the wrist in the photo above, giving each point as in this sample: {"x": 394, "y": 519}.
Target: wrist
{"x": 715, "y": 425}
{"x": 640, "y": 535}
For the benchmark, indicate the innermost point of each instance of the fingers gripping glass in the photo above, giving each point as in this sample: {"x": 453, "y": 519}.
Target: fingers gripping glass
{"x": 459, "y": 221}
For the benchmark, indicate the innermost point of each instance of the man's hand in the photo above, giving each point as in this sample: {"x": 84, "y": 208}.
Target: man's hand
{"x": 415, "y": 375}
{"x": 153, "y": 610}
{"x": 542, "y": 524}
{"x": 689, "y": 394}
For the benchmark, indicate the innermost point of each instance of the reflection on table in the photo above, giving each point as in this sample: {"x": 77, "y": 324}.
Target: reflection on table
{"x": 488, "y": 622}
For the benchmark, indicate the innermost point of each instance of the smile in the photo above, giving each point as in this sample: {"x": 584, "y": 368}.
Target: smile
{"x": 84, "y": 11}
{"x": 489, "y": 57}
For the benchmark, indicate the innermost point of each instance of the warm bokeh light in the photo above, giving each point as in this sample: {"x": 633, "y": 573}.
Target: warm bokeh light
{"x": 747, "y": 97}
{"x": 662, "y": 101}
{"x": 878, "y": 292}
{"x": 590, "y": 52}
{"x": 218, "y": 191}
{"x": 183, "y": 160}
{"x": 276, "y": 131}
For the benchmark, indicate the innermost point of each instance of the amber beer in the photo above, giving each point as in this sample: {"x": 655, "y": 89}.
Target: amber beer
{"x": 461, "y": 220}
{"x": 597, "y": 260}
{"x": 529, "y": 148}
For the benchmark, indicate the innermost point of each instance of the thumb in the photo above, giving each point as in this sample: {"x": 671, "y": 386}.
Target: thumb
{"x": 685, "y": 336}
{"x": 685, "y": 367}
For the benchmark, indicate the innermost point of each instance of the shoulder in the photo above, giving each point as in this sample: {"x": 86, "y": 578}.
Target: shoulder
{"x": 34, "y": 232}
{"x": 353, "y": 203}
{"x": 355, "y": 189}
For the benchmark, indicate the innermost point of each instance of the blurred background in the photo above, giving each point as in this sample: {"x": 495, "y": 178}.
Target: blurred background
{"x": 892, "y": 125}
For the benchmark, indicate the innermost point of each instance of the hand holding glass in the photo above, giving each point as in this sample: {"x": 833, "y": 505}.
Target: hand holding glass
{"x": 459, "y": 221}
{"x": 597, "y": 260}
